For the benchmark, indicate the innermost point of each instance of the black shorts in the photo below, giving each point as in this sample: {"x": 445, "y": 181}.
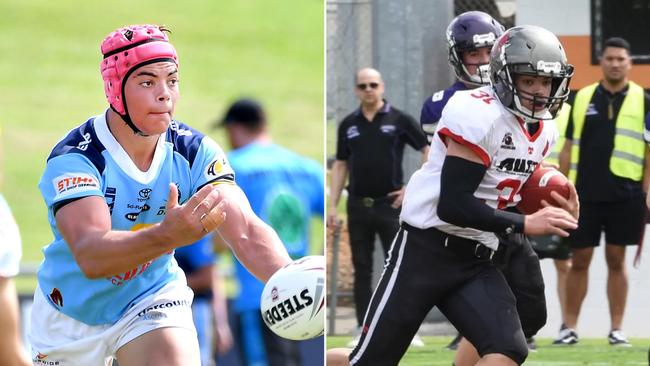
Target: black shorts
{"x": 520, "y": 266}
{"x": 551, "y": 246}
{"x": 459, "y": 278}
{"x": 622, "y": 222}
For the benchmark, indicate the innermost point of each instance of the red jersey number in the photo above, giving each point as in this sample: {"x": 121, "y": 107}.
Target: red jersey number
{"x": 485, "y": 97}
{"x": 508, "y": 188}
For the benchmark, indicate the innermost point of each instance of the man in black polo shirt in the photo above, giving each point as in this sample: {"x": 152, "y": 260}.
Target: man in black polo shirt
{"x": 607, "y": 158}
{"x": 370, "y": 147}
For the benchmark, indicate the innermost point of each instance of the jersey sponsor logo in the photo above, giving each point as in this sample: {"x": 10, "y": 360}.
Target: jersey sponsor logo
{"x": 180, "y": 131}
{"x": 387, "y": 128}
{"x": 74, "y": 182}
{"x": 132, "y": 216}
{"x": 517, "y": 166}
{"x": 161, "y": 211}
{"x": 56, "y": 297}
{"x": 216, "y": 167}
{"x": 83, "y": 145}
{"x": 289, "y": 306}
{"x": 506, "y": 142}
{"x": 119, "y": 279}
{"x": 164, "y": 305}
{"x": 41, "y": 359}
{"x": 110, "y": 194}
{"x": 352, "y": 132}
{"x": 530, "y": 150}
{"x": 145, "y": 193}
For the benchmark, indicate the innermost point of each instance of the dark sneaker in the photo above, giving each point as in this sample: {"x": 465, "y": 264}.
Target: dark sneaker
{"x": 453, "y": 345}
{"x": 617, "y": 338}
{"x": 532, "y": 345}
{"x": 567, "y": 336}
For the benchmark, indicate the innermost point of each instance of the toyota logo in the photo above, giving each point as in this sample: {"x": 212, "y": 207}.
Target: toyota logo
{"x": 145, "y": 192}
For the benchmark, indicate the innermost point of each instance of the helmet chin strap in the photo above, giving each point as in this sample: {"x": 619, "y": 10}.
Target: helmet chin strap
{"x": 129, "y": 122}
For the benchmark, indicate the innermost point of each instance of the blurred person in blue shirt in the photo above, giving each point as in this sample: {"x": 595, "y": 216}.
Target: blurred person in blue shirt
{"x": 209, "y": 309}
{"x": 286, "y": 190}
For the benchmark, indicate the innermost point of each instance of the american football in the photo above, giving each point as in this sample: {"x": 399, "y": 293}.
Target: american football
{"x": 539, "y": 186}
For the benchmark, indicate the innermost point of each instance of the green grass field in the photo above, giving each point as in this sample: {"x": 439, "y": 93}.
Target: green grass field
{"x": 273, "y": 51}
{"x": 594, "y": 352}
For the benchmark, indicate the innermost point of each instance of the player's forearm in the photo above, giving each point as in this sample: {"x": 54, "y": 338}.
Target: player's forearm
{"x": 108, "y": 253}
{"x": 219, "y": 303}
{"x": 258, "y": 248}
{"x": 337, "y": 180}
{"x": 458, "y": 206}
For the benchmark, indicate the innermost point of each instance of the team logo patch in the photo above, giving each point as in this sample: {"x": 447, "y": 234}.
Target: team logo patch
{"x": 83, "y": 145}
{"x": 506, "y": 142}
{"x": 70, "y": 183}
{"x": 388, "y": 128}
{"x": 352, "y": 132}
{"x": 216, "y": 167}
{"x": 591, "y": 110}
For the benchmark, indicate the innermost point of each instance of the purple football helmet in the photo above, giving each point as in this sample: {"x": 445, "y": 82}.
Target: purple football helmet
{"x": 469, "y": 31}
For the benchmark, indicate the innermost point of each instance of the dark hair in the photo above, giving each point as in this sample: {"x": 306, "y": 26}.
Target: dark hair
{"x": 617, "y": 42}
{"x": 247, "y": 112}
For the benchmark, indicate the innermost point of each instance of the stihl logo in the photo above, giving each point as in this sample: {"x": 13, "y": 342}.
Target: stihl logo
{"x": 75, "y": 182}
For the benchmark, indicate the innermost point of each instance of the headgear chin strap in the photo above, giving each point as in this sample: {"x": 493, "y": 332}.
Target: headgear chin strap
{"x": 126, "y": 49}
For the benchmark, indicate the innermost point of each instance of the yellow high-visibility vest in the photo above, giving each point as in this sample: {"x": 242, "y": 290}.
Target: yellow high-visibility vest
{"x": 628, "y": 156}
{"x": 561, "y": 121}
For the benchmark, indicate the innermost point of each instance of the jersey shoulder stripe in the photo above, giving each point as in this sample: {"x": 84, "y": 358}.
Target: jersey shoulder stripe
{"x": 185, "y": 139}
{"x": 82, "y": 140}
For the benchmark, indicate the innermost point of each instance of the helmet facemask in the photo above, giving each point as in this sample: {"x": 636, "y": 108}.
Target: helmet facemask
{"x": 552, "y": 104}
{"x": 482, "y": 75}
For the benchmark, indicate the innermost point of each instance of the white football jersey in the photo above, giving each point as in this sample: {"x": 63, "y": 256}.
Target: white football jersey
{"x": 477, "y": 119}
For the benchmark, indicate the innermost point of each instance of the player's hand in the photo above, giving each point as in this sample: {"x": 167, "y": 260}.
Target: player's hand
{"x": 572, "y": 205}
{"x": 399, "y": 197}
{"x": 550, "y": 220}
{"x": 647, "y": 199}
{"x": 201, "y": 214}
{"x": 223, "y": 338}
{"x": 332, "y": 218}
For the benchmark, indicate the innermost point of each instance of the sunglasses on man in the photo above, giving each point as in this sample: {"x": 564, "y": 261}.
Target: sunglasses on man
{"x": 364, "y": 86}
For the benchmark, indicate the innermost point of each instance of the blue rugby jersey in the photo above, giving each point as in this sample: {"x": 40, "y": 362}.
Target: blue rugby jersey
{"x": 88, "y": 161}
{"x": 285, "y": 190}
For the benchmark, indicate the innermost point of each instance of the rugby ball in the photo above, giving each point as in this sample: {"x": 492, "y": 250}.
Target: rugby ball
{"x": 293, "y": 299}
{"x": 539, "y": 186}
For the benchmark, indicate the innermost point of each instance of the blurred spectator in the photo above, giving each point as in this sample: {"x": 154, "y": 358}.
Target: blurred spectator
{"x": 286, "y": 191}
{"x": 607, "y": 158}
{"x": 370, "y": 147}
{"x": 209, "y": 308}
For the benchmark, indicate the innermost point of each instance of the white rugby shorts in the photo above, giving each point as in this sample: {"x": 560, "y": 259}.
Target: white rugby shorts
{"x": 59, "y": 340}
{"x": 10, "y": 245}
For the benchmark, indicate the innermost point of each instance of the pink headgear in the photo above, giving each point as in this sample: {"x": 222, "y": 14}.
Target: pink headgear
{"x": 124, "y": 50}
